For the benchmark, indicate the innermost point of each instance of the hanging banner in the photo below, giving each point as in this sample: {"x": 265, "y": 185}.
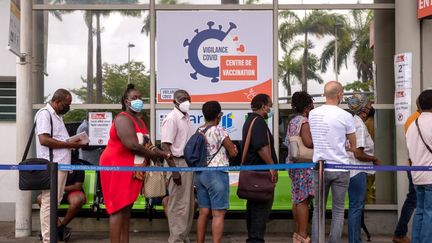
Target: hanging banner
{"x": 232, "y": 121}
{"x": 215, "y": 55}
{"x": 99, "y": 127}
{"x": 402, "y": 105}
{"x": 424, "y": 9}
{"x": 14, "y": 27}
{"x": 403, "y": 70}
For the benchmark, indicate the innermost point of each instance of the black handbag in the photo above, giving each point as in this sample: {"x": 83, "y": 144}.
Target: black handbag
{"x": 30, "y": 180}
{"x": 254, "y": 185}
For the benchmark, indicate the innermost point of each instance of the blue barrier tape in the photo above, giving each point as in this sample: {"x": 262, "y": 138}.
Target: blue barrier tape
{"x": 188, "y": 169}
{"x": 165, "y": 169}
{"x": 221, "y": 168}
{"x": 23, "y": 167}
{"x": 379, "y": 167}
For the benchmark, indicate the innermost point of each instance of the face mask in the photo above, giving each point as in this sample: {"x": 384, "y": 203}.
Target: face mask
{"x": 65, "y": 109}
{"x": 137, "y": 105}
{"x": 371, "y": 112}
{"x": 270, "y": 113}
{"x": 184, "y": 107}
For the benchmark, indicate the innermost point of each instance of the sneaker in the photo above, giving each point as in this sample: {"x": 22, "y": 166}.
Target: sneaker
{"x": 64, "y": 233}
{"x": 401, "y": 239}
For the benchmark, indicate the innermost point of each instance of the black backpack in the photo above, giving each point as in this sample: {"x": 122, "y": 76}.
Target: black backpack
{"x": 195, "y": 151}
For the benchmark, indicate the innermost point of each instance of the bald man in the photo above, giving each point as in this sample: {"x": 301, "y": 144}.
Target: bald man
{"x": 332, "y": 128}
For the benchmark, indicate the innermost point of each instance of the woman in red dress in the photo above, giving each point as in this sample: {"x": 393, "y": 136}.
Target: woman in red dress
{"x": 127, "y": 146}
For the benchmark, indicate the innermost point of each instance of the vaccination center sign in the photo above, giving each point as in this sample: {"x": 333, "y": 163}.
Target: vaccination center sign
{"x": 214, "y": 55}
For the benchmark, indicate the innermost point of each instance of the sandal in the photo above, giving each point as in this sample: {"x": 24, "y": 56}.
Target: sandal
{"x": 299, "y": 239}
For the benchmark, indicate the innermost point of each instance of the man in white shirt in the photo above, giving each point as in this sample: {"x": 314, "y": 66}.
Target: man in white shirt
{"x": 360, "y": 105}
{"x": 175, "y": 132}
{"x": 419, "y": 143}
{"x": 331, "y": 129}
{"x": 51, "y": 139}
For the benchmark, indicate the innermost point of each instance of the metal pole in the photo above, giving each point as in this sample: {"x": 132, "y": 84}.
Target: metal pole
{"x": 152, "y": 71}
{"x": 321, "y": 203}
{"x": 24, "y": 118}
{"x": 275, "y": 79}
{"x": 53, "y": 201}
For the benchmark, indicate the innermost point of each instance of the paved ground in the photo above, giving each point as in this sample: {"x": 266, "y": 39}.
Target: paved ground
{"x": 7, "y": 235}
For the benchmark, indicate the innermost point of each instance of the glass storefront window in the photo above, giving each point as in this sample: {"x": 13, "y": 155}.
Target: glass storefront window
{"x": 325, "y": 1}
{"x": 97, "y": 1}
{"x": 125, "y": 55}
{"x": 380, "y": 186}
{"x": 316, "y": 36}
{"x": 242, "y": 2}
{"x": 115, "y": 42}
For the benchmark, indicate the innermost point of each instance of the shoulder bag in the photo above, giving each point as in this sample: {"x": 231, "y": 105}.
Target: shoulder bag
{"x": 298, "y": 152}
{"x": 254, "y": 185}
{"x": 154, "y": 183}
{"x": 35, "y": 179}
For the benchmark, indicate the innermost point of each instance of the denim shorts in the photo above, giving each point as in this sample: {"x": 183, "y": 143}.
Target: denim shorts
{"x": 212, "y": 189}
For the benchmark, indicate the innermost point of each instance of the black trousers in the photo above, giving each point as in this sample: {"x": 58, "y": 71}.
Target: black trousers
{"x": 257, "y": 214}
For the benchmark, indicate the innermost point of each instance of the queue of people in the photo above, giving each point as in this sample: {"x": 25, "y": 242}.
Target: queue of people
{"x": 328, "y": 132}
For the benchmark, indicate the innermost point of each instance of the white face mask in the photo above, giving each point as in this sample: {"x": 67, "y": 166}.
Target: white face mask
{"x": 184, "y": 107}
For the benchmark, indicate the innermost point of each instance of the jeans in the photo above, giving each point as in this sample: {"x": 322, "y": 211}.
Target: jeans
{"x": 422, "y": 230}
{"x": 257, "y": 214}
{"x": 356, "y": 193}
{"x": 212, "y": 189}
{"x": 407, "y": 209}
{"x": 338, "y": 182}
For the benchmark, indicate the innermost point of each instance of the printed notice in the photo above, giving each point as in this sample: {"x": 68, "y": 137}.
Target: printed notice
{"x": 402, "y": 105}
{"x": 99, "y": 128}
{"x": 403, "y": 71}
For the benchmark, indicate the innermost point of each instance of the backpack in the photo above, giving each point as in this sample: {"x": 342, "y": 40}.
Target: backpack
{"x": 195, "y": 151}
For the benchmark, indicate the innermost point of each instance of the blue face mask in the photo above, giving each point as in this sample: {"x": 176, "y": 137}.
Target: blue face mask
{"x": 137, "y": 105}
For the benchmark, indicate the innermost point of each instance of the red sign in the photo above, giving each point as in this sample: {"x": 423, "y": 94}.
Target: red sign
{"x": 424, "y": 8}
{"x": 400, "y": 94}
{"x": 101, "y": 115}
{"x": 238, "y": 68}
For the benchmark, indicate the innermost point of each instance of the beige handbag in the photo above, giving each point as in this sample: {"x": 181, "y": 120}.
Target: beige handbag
{"x": 297, "y": 151}
{"x": 154, "y": 183}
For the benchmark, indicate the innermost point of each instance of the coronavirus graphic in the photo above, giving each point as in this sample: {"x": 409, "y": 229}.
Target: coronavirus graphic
{"x": 209, "y": 35}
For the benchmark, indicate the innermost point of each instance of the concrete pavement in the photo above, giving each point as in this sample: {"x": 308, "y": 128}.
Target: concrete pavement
{"x": 7, "y": 235}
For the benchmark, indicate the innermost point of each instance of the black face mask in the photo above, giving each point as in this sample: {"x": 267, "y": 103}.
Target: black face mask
{"x": 65, "y": 109}
{"x": 371, "y": 112}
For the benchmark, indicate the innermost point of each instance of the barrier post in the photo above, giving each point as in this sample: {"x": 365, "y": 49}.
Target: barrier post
{"x": 321, "y": 203}
{"x": 53, "y": 201}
